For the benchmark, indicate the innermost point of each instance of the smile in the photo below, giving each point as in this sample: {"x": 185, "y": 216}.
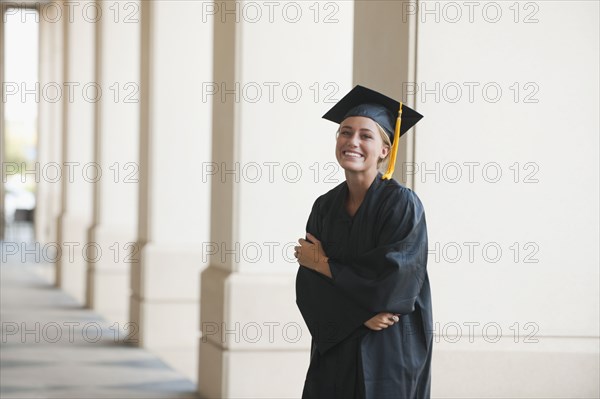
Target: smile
{"x": 352, "y": 154}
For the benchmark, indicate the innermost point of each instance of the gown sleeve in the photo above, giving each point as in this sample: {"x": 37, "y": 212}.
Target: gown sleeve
{"x": 331, "y": 315}
{"x": 389, "y": 277}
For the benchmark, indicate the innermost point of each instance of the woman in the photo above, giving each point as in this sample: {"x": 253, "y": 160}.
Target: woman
{"x": 362, "y": 286}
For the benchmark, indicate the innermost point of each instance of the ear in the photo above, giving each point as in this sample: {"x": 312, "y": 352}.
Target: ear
{"x": 384, "y": 151}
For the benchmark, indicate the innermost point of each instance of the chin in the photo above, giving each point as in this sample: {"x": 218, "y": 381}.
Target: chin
{"x": 353, "y": 167}
{"x": 346, "y": 164}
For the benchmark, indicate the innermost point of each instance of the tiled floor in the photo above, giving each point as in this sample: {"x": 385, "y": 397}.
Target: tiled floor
{"x": 50, "y": 347}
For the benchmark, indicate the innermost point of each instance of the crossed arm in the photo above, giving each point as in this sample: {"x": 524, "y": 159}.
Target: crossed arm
{"x": 310, "y": 254}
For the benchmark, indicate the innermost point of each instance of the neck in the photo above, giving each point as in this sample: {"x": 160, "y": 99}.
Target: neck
{"x": 359, "y": 183}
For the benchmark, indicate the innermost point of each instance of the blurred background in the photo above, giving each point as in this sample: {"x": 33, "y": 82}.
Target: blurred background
{"x": 160, "y": 159}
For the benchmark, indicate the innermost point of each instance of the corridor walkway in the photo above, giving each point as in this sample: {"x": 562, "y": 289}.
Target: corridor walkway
{"x": 51, "y": 347}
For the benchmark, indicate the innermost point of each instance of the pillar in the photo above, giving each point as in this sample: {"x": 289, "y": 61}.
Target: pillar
{"x": 388, "y": 65}
{"x": 48, "y": 194}
{"x": 173, "y": 212}
{"x": 115, "y": 196}
{"x": 277, "y": 70}
{"x": 77, "y": 167}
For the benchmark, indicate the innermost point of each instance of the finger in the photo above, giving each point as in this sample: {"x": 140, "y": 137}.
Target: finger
{"x": 312, "y": 238}
{"x": 385, "y": 317}
{"x": 303, "y": 242}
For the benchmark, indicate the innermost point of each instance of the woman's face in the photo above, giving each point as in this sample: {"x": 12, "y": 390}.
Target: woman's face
{"x": 359, "y": 144}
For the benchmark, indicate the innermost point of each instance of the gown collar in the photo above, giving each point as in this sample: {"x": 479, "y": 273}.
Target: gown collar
{"x": 341, "y": 201}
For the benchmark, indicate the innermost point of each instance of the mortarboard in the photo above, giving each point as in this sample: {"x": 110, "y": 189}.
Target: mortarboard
{"x": 361, "y": 101}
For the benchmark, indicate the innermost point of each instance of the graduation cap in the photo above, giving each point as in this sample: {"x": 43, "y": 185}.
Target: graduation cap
{"x": 362, "y": 101}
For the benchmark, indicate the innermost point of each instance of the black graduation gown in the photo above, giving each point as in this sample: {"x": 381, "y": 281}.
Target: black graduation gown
{"x": 378, "y": 260}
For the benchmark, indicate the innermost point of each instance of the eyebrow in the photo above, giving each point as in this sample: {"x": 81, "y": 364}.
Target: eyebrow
{"x": 362, "y": 130}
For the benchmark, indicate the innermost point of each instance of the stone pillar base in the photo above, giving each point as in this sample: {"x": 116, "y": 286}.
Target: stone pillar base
{"x": 251, "y": 374}
{"x": 109, "y": 295}
{"x": 164, "y": 324}
{"x": 164, "y": 305}
{"x": 254, "y": 342}
{"x": 70, "y": 263}
{"x": 108, "y": 284}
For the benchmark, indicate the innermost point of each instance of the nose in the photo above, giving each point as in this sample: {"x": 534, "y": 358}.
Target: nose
{"x": 353, "y": 140}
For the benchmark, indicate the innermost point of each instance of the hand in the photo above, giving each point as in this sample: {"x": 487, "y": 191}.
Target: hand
{"x": 310, "y": 254}
{"x": 382, "y": 320}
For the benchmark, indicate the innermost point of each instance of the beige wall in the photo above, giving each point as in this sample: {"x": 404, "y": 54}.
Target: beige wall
{"x": 543, "y": 209}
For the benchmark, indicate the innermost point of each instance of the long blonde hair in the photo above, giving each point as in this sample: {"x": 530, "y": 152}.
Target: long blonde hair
{"x": 387, "y": 143}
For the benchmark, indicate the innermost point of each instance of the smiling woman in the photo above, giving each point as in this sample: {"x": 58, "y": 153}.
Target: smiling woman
{"x": 362, "y": 286}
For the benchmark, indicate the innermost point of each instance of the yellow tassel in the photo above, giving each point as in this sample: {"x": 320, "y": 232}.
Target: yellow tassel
{"x": 391, "y": 165}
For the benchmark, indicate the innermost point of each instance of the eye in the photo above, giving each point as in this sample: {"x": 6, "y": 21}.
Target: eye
{"x": 366, "y": 136}
{"x": 346, "y": 133}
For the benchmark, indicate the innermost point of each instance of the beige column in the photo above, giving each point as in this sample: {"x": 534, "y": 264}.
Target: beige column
{"x": 277, "y": 69}
{"x": 49, "y": 127}
{"x": 115, "y": 197}
{"x": 78, "y": 168}
{"x": 385, "y": 60}
{"x": 174, "y": 201}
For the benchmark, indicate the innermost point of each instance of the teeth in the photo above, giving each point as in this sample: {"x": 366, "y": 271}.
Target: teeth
{"x": 352, "y": 154}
